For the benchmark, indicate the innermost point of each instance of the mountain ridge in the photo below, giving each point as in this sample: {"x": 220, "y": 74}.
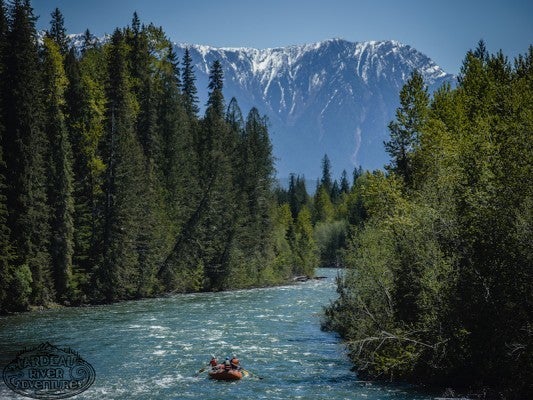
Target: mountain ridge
{"x": 332, "y": 97}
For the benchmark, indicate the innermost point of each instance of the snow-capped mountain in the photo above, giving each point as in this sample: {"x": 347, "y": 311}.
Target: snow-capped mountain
{"x": 335, "y": 97}
{"x": 332, "y": 97}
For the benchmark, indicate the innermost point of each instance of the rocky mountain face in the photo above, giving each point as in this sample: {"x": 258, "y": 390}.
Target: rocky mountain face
{"x": 333, "y": 97}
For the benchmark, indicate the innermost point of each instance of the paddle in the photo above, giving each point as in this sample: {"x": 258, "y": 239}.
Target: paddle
{"x": 251, "y": 373}
{"x": 201, "y": 370}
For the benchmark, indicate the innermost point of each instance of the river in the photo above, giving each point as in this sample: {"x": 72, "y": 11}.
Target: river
{"x": 151, "y": 349}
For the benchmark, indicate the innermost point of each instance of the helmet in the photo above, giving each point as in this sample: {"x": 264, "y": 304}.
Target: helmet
{"x": 227, "y": 358}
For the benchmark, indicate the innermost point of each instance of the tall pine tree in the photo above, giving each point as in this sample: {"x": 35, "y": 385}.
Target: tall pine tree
{"x": 89, "y": 41}
{"x": 58, "y": 32}
{"x": 405, "y": 131}
{"x": 60, "y": 186}
{"x": 142, "y": 87}
{"x": 119, "y": 272}
{"x": 216, "y": 146}
{"x": 215, "y": 100}
{"x": 190, "y": 96}
{"x": 177, "y": 162}
{"x": 86, "y": 102}
{"x": 344, "y": 185}
{"x": 6, "y": 250}
{"x": 326, "y": 181}
{"x": 259, "y": 169}
{"x": 25, "y": 149}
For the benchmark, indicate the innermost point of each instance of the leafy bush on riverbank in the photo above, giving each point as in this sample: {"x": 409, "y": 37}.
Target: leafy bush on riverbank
{"x": 440, "y": 269}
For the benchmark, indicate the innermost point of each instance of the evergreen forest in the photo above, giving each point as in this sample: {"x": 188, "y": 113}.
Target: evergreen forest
{"x": 113, "y": 187}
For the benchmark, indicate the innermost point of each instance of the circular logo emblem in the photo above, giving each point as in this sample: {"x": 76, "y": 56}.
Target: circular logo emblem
{"x": 48, "y": 372}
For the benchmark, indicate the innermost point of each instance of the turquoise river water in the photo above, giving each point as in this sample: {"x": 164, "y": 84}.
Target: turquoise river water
{"x": 151, "y": 349}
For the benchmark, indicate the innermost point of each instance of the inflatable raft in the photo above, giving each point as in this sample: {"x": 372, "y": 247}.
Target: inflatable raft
{"x": 221, "y": 374}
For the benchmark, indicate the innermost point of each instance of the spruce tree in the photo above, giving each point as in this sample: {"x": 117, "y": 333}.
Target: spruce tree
{"x": 298, "y": 196}
{"x": 190, "y": 96}
{"x": 85, "y": 113}
{"x": 186, "y": 199}
{"x": 259, "y": 157}
{"x": 177, "y": 156}
{"x": 60, "y": 170}
{"x": 323, "y": 207}
{"x": 235, "y": 121}
{"x": 216, "y": 146}
{"x": 215, "y": 100}
{"x": 481, "y": 52}
{"x": 264, "y": 159}
{"x": 325, "y": 180}
{"x": 256, "y": 183}
{"x": 143, "y": 88}
{"x": 210, "y": 143}
{"x": 6, "y": 250}
{"x": 151, "y": 216}
{"x": 357, "y": 172}
{"x": 58, "y": 32}
{"x": 172, "y": 60}
{"x": 119, "y": 272}
{"x": 25, "y": 150}
{"x": 234, "y": 116}
{"x": 335, "y": 192}
{"x": 76, "y": 121}
{"x": 303, "y": 245}
{"x": 406, "y": 129}
{"x": 89, "y": 41}
{"x": 344, "y": 185}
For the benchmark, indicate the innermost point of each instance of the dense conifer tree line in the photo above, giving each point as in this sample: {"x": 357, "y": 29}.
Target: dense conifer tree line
{"x": 112, "y": 186}
{"x": 438, "y": 286}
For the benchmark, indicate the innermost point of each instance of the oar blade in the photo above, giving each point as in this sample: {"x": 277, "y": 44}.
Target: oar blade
{"x": 200, "y": 371}
{"x": 251, "y": 373}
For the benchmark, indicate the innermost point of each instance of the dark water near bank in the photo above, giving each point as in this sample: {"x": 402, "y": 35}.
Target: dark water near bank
{"x": 150, "y": 349}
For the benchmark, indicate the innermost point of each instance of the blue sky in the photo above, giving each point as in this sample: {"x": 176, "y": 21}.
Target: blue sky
{"x": 443, "y": 30}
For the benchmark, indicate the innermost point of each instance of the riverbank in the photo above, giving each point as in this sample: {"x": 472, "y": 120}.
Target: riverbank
{"x": 55, "y": 306}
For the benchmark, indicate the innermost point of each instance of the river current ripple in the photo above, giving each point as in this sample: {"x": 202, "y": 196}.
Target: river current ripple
{"x": 151, "y": 349}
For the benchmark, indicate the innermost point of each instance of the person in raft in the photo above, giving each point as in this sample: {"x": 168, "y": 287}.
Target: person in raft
{"x": 235, "y": 362}
{"x": 227, "y": 364}
{"x": 213, "y": 363}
